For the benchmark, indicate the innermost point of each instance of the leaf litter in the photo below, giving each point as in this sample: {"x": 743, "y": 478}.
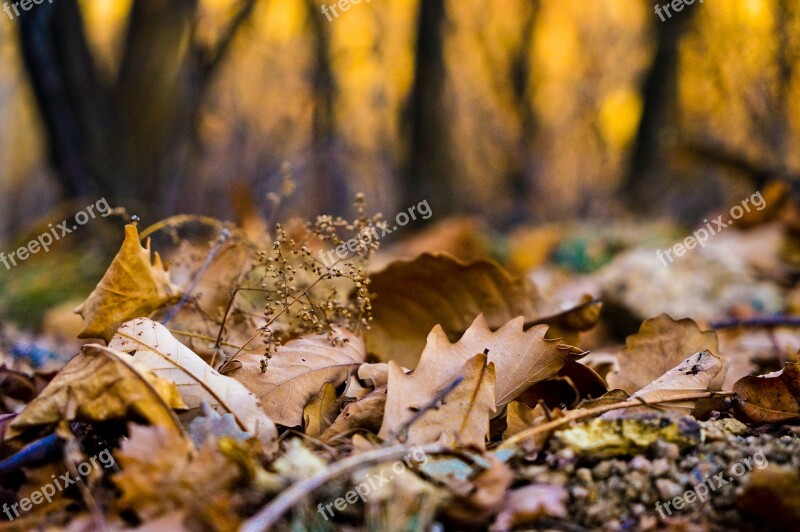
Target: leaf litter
{"x": 257, "y": 389}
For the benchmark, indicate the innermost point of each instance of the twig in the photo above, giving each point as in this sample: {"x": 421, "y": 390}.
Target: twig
{"x": 32, "y": 453}
{"x": 223, "y": 236}
{"x": 758, "y": 321}
{"x": 419, "y": 413}
{"x": 583, "y": 413}
{"x": 269, "y": 515}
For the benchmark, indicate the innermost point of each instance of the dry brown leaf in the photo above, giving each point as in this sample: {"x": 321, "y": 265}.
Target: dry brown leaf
{"x": 770, "y": 496}
{"x": 461, "y": 420}
{"x": 695, "y": 374}
{"x": 132, "y": 287}
{"x": 411, "y": 297}
{"x": 487, "y": 495}
{"x": 101, "y": 384}
{"x": 661, "y": 344}
{"x": 521, "y": 357}
{"x": 527, "y": 504}
{"x": 163, "y": 472}
{"x": 296, "y": 372}
{"x": 772, "y": 398}
{"x": 366, "y": 414}
{"x": 152, "y": 345}
{"x": 321, "y": 411}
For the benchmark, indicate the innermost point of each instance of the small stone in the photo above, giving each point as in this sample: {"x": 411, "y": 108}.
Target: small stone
{"x": 640, "y": 463}
{"x": 668, "y": 489}
{"x": 584, "y": 475}
{"x": 661, "y": 467}
{"x": 579, "y": 492}
{"x": 602, "y": 470}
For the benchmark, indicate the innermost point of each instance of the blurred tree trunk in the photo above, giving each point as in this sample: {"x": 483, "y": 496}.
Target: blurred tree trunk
{"x": 428, "y": 168}
{"x": 647, "y": 180}
{"x": 521, "y": 181}
{"x": 330, "y": 190}
{"x": 128, "y": 139}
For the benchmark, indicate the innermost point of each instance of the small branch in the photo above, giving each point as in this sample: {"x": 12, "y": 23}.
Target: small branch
{"x": 584, "y": 413}
{"x": 758, "y": 321}
{"x": 223, "y": 236}
{"x": 215, "y": 57}
{"x": 30, "y": 454}
{"x": 266, "y": 518}
{"x": 421, "y": 412}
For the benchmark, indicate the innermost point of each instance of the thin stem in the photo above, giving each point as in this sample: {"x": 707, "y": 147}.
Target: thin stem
{"x": 583, "y": 413}
{"x": 266, "y": 518}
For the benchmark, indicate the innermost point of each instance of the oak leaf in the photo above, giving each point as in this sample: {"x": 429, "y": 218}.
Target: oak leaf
{"x": 133, "y": 286}
{"x": 411, "y": 297}
{"x": 661, "y": 344}
{"x": 461, "y": 420}
{"x": 101, "y": 384}
{"x": 151, "y": 344}
{"x": 296, "y": 372}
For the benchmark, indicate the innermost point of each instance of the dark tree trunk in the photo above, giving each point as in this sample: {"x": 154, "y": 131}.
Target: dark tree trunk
{"x": 428, "y": 168}
{"x": 645, "y": 181}
{"x": 128, "y": 140}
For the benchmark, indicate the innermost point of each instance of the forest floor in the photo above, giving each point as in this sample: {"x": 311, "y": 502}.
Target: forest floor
{"x": 565, "y": 377}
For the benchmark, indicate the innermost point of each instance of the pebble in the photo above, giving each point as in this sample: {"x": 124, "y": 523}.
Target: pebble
{"x": 668, "y": 489}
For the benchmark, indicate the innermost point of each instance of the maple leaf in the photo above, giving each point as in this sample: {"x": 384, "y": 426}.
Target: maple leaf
{"x": 101, "y": 384}
{"x": 661, "y": 344}
{"x": 133, "y": 286}
{"x": 296, "y": 372}
{"x": 463, "y": 417}
{"x": 152, "y": 345}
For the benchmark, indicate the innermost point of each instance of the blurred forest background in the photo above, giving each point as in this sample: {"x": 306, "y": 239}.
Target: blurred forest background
{"x": 512, "y": 110}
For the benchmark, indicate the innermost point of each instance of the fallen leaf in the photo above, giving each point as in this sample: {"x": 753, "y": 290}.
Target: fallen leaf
{"x": 366, "y": 414}
{"x": 176, "y": 477}
{"x": 296, "y": 372}
{"x": 462, "y": 419}
{"x": 487, "y": 495}
{"x": 209, "y": 424}
{"x": 526, "y": 505}
{"x": 660, "y": 345}
{"x": 770, "y": 496}
{"x": 411, "y": 297}
{"x": 695, "y": 374}
{"x": 151, "y": 344}
{"x": 321, "y": 411}
{"x": 771, "y": 398}
{"x": 521, "y": 358}
{"x": 132, "y": 287}
{"x": 101, "y": 384}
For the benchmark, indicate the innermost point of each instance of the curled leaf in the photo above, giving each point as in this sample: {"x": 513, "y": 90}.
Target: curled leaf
{"x": 133, "y": 286}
